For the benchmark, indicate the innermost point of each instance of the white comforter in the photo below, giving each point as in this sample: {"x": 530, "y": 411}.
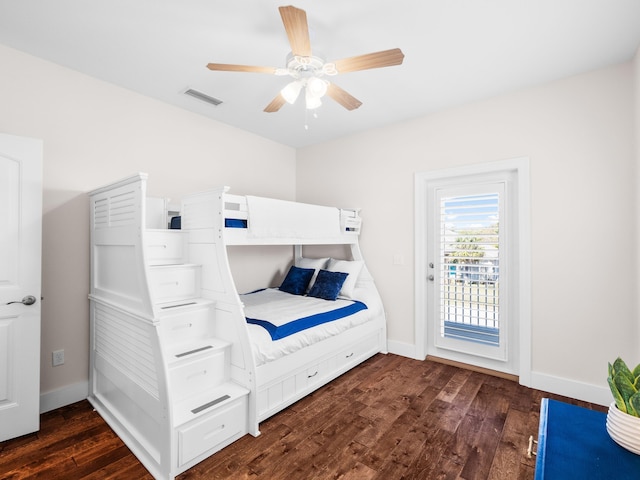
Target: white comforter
{"x": 274, "y": 303}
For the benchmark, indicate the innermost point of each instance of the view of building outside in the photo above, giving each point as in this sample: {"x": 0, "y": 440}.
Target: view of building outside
{"x": 470, "y": 267}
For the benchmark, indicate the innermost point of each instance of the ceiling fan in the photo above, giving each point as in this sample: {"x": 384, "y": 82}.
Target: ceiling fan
{"x": 308, "y": 71}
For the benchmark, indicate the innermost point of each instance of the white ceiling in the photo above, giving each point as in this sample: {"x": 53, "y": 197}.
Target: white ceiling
{"x": 456, "y": 51}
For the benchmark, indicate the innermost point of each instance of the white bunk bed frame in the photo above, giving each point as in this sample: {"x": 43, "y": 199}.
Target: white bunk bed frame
{"x": 165, "y": 309}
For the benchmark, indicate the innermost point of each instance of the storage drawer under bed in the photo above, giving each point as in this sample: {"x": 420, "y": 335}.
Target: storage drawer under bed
{"x": 300, "y": 382}
{"x": 357, "y": 352}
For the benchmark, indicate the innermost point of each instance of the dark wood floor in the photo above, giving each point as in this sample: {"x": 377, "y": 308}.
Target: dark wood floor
{"x": 390, "y": 418}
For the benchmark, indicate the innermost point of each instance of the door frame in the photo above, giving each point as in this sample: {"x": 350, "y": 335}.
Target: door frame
{"x": 519, "y": 168}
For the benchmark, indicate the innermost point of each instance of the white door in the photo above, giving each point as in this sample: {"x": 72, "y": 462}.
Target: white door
{"x": 471, "y": 266}
{"x": 468, "y": 289}
{"x": 20, "y": 261}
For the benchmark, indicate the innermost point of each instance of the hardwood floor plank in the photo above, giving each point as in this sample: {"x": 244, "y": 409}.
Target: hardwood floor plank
{"x": 511, "y": 450}
{"x": 345, "y": 464}
{"x": 453, "y": 386}
{"x": 357, "y": 472}
{"x": 461, "y": 402}
{"x": 389, "y": 439}
{"x": 432, "y": 461}
{"x": 485, "y": 442}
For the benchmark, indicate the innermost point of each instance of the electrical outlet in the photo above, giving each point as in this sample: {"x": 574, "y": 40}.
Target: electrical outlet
{"x": 58, "y": 357}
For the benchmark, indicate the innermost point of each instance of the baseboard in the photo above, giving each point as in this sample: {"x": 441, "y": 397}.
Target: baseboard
{"x": 571, "y": 388}
{"x": 403, "y": 349}
{"x": 586, "y": 392}
{"x": 63, "y": 396}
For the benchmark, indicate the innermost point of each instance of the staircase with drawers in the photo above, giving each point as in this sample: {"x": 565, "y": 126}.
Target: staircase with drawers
{"x": 160, "y": 373}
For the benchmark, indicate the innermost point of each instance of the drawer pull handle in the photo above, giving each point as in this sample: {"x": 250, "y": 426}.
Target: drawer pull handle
{"x": 530, "y": 451}
{"x": 213, "y": 433}
{"x": 350, "y": 355}
{"x": 312, "y": 375}
{"x": 210, "y": 404}
{"x": 196, "y": 350}
{"x": 196, "y": 374}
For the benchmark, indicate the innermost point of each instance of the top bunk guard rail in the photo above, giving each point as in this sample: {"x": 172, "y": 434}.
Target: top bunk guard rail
{"x": 256, "y": 220}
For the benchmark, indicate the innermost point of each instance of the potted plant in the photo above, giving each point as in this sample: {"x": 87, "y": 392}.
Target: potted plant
{"x": 623, "y": 418}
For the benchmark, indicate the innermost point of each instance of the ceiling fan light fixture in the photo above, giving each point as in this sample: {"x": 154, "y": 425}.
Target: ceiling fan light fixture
{"x": 312, "y": 102}
{"x": 316, "y": 87}
{"x": 291, "y": 91}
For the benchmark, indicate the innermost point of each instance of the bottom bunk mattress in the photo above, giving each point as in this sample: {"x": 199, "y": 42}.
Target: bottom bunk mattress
{"x": 280, "y": 323}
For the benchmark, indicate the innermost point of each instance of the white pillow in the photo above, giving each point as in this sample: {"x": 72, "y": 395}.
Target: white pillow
{"x": 315, "y": 263}
{"x": 352, "y": 267}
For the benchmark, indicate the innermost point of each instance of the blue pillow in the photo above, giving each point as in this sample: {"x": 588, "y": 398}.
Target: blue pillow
{"x": 297, "y": 280}
{"x": 327, "y": 285}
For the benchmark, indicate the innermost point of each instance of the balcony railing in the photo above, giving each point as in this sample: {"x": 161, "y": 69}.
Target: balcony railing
{"x": 469, "y": 308}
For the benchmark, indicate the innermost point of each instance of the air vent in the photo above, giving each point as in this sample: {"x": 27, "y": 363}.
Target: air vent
{"x": 203, "y": 96}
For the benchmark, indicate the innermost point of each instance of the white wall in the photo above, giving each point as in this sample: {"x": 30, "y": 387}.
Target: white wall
{"x": 578, "y": 134}
{"x": 95, "y": 133}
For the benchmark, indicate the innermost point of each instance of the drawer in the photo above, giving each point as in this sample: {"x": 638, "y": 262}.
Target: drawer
{"x": 174, "y": 283}
{"x": 357, "y": 352}
{"x": 213, "y": 431}
{"x": 310, "y": 376}
{"x": 187, "y": 325}
{"x": 164, "y": 247}
{"x": 193, "y": 377}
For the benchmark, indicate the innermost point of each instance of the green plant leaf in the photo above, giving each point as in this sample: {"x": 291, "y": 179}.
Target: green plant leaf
{"x": 620, "y": 403}
{"x": 620, "y": 367}
{"x": 634, "y": 402}
{"x": 636, "y": 371}
{"x": 625, "y": 387}
{"x": 610, "y": 370}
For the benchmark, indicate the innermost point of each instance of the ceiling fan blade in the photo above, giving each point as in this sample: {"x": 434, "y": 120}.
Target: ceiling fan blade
{"x": 385, "y": 58}
{"x": 295, "y": 24}
{"x": 276, "y": 104}
{"x": 345, "y": 99}
{"x": 225, "y": 67}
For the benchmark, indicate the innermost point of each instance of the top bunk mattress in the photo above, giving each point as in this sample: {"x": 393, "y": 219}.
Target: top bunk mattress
{"x": 273, "y": 316}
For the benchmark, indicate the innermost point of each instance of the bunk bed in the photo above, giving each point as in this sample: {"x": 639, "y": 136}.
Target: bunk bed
{"x": 182, "y": 364}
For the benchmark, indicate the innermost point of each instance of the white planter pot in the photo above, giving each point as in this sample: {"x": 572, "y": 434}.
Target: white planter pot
{"x": 624, "y": 429}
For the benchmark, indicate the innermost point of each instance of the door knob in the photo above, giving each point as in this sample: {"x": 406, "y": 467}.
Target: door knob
{"x": 28, "y": 300}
